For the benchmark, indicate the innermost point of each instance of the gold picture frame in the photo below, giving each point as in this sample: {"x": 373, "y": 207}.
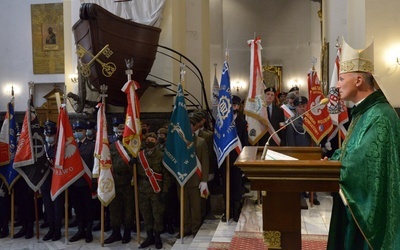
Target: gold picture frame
{"x": 47, "y": 38}
{"x": 272, "y": 76}
{"x": 325, "y": 67}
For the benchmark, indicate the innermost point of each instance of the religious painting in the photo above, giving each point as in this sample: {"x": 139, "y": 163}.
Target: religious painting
{"x": 49, "y": 35}
{"x": 272, "y": 76}
{"x": 47, "y": 38}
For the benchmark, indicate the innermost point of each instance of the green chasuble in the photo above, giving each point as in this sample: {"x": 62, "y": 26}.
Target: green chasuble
{"x": 369, "y": 179}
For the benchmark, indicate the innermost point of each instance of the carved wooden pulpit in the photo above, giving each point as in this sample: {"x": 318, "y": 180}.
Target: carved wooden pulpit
{"x": 282, "y": 182}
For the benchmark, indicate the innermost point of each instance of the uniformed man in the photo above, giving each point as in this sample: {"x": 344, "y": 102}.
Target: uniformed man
{"x": 195, "y": 186}
{"x": 236, "y": 184}
{"x": 115, "y": 123}
{"x": 91, "y": 131}
{"x": 162, "y": 138}
{"x": 80, "y": 190}
{"x": 122, "y": 206}
{"x": 53, "y": 209}
{"x": 153, "y": 182}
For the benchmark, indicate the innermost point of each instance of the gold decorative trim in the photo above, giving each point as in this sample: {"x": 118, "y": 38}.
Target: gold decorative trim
{"x": 272, "y": 239}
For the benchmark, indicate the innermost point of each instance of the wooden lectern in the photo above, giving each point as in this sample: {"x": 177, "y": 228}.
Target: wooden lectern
{"x": 283, "y": 181}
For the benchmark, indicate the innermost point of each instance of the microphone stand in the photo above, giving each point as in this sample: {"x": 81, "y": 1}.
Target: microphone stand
{"x": 264, "y": 153}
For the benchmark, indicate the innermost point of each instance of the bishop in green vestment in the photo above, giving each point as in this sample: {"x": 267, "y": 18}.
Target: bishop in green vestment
{"x": 367, "y": 215}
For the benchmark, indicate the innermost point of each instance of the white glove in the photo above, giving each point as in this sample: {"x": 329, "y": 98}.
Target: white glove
{"x": 328, "y": 146}
{"x": 204, "y": 192}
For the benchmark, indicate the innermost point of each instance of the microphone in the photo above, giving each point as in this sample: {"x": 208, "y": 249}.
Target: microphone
{"x": 264, "y": 153}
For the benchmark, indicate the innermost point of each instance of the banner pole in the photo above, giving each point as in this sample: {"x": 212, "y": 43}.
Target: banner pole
{"x": 36, "y": 214}
{"x": 12, "y": 212}
{"x": 228, "y": 189}
{"x": 102, "y": 225}
{"x": 182, "y": 213}
{"x": 136, "y": 203}
{"x": 66, "y": 216}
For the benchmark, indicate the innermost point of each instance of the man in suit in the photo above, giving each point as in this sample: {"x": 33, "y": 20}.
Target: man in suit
{"x": 276, "y": 118}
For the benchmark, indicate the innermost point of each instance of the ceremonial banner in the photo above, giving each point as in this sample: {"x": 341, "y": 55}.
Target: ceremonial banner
{"x": 68, "y": 164}
{"x": 106, "y": 186}
{"x": 336, "y": 106}
{"x": 225, "y": 134}
{"x": 8, "y": 136}
{"x": 215, "y": 92}
{"x": 318, "y": 122}
{"x": 30, "y": 159}
{"x": 179, "y": 155}
{"x": 133, "y": 129}
{"x": 255, "y": 109}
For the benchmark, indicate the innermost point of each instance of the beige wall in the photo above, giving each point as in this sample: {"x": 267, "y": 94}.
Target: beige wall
{"x": 215, "y": 25}
{"x": 382, "y": 25}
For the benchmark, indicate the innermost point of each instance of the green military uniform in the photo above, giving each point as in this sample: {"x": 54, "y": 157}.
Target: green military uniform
{"x": 122, "y": 206}
{"x": 213, "y": 166}
{"x": 151, "y": 204}
{"x": 192, "y": 191}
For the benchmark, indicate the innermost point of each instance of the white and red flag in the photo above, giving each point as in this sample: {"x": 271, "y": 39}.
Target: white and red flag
{"x": 30, "y": 158}
{"x": 132, "y": 132}
{"x": 68, "y": 163}
{"x": 336, "y": 106}
{"x": 106, "y": 187}
{"x": 255, "y": 109}
{"x": 318, "y": 122}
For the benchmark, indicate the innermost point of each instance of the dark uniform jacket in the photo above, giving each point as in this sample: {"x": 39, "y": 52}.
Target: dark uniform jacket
{"x": 296, "y": 135}
{"x": 86, "y": 150}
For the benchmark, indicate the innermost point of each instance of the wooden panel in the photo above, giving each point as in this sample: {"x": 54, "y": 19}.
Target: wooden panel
{"x": 283, "y": 181}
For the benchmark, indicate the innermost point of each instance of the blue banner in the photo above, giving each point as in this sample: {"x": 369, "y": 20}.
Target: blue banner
{"x": 7, "y": 172}
{"x": 179, "y": 155}
{"x": 225, "y": 134}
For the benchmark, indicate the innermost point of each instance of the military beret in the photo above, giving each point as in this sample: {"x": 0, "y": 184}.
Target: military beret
{"x": 162, "y": 131}
{"x": 300, "y": 100}
{"x": 79, "y": 125}
{"x": 201, "y": 112}
{"x": 272, "y": 89}
{"x": 295, "y": 88}
{"x": 236, "y": 99}
{"x": 151, "y": 134}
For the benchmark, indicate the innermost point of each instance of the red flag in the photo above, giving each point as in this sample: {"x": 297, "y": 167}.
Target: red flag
{"x": 318, "y": 122}
{"x": 68, "y": 164}
{"x": 336, "y": 106}
{"x": 133, "y": 129}
{"x": 30, "y": 158}
{"x": 5, "y": 155}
